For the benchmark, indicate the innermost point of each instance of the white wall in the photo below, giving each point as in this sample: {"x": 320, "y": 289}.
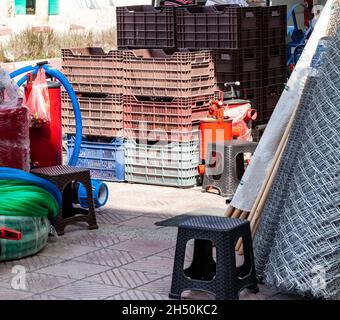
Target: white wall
{"x": 92, "y": 14}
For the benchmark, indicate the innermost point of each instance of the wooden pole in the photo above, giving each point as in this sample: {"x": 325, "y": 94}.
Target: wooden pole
{"x": 254, "y": 223}
{"x": 229, "y": 211}
{"x": 244, "y": 215}
{"x": 266, "y": 187}
{"x": 236, "y": 213}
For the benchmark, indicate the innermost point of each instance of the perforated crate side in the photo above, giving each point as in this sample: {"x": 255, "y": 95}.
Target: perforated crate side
{"x": 275, "y": 76}
{"x": 159, "y": 73}
{"x": 173, "y": 164}
{"x": 145, "y": 27}
{"x": 264, "y": 100}
{"x": 92, "y": 70}
{"x": 274, "y": 17}
{"x": 163, "y": 115}
{"x": 101, "y": 116}
{"x": 218, "y": 27}
{"x": 247, "y": 79}
{"x": 105, "y": 160}
{"x": 276, "y": 36}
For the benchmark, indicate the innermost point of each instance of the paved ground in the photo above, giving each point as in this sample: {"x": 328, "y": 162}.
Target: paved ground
{"x": 128, "y": 257}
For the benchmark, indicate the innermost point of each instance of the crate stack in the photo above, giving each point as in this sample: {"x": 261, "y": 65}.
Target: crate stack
{"x": 248, "y": 45}
{"x": 97, "y": 78}
{"x": 166, "y": 93}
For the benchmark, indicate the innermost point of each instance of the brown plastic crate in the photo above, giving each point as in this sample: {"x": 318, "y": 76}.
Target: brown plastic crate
{"x": 102, "y": 115}
{"x": 274, "y": 17}
{"x": 218, "y": 27}
{"x": 253, "y": 79}
{"x": 238, "y": 60}
{"x": 92, "y": 70}
{"x": 255, "y": 95}
{"x": 275, "y": 76}
{"x": 264, "y": 100}
{"x": 274, "y": 56}
{"x": 155, "y": 72}
{"x": 271, "y": 98}
{"x": 163, "y": 114}
{"x": 274, "y": 37}
{"x": 145, "y": 27}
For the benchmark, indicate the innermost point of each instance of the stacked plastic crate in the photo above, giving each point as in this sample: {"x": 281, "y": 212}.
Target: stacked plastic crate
{"x": 97, "y": 78}
{"x": 166, "y": 92}
{"x": 248, "y": 45}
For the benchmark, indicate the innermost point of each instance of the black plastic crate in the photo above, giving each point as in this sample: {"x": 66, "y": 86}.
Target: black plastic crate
{"x": 275, "y": 36}
{"x": 252, "y": 79}
{"x": 275, "y": 76}
{"x": 274, "y": 56}
{"x": 238, "y": 60}
{"x": 264, "y": 100}
{"x": 218, "y": 27}
{"x": 274, "y": 17}
{"x": 146, "y": 27}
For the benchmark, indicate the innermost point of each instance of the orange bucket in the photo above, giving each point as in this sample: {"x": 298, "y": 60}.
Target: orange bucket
{"x": 213, "y": 130}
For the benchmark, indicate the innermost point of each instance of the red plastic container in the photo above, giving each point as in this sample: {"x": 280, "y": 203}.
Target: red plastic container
{"x": 214, "y": 131}
{"x": 163, "y": 118}
{"x": 46, "y": 141}
{"x": 14, "y": 138}
{"x": 102, "y": 115}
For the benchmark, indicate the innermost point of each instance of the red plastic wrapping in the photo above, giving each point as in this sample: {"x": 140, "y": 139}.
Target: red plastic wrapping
{"x": 14, "y": 137}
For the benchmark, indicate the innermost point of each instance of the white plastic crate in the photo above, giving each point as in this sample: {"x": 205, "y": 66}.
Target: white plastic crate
{"x": 173, "y": 164}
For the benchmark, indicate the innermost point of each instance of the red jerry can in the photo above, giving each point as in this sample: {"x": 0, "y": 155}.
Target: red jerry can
{"x": 46, "y": 141}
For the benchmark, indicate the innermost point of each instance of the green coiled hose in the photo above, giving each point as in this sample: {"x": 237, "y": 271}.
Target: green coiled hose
{"x": 20, "y": 198}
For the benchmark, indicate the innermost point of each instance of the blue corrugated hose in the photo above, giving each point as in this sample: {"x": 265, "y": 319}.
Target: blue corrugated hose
{"x": 63, "y": 80}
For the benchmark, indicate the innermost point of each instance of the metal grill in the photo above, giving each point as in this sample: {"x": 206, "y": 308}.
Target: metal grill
{"x": 297, "y": 246}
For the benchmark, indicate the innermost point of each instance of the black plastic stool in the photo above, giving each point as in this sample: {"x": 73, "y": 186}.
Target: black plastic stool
{"x": 222, "y": 277}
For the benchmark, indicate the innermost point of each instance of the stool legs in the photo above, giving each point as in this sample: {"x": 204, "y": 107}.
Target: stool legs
{"x": 226, "y": 279}
{"x": 247, "y": 270}
{"x": 178, "y": 276}
{"x": 222, "y": 278}
{"x": 203, "y": 266}
{"x": 69, "y": 214}
{"x": 92, "y": 221}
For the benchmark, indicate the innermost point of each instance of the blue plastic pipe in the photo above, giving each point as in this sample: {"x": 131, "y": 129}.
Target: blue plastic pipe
{"x": 99, "y": 201}
{"x": 16, "y": 174}
{"x": 68, "y": 87}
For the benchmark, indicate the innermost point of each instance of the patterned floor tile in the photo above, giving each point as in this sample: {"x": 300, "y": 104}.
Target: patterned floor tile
{"x": 73, "y": 269}
{"x": 161, "y": 286}
{"x": 94, "y": 239}
{"x": 144, "y": 246}
{"x": 152, "y": 264}
{"x": 37, "y": 283}
{"x": 10, "y": 294}
{"x": 126, "y": 278}
{"x": 138, "y": 295}
{"x": 65, "y": 250}
{"x": 168, "y": 234}
{"x": 247, "y": 295}
{"x": 30, "y": 264}
{"x": 141, "y": 222}
{"x": 197, "y": 295}
{"x": 109, "y": 257}
{"x": 84, "y": 290}
{"x": 46, "y": 297}
{"x": 108, "y": 217}
{"x": 170, "y": 253}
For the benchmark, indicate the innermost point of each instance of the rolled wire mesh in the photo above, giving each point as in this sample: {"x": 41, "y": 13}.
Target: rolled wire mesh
{"x": 297, "y": 246}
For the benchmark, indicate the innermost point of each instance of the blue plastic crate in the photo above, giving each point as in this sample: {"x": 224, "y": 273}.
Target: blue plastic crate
{"x": 105, "y": 160}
